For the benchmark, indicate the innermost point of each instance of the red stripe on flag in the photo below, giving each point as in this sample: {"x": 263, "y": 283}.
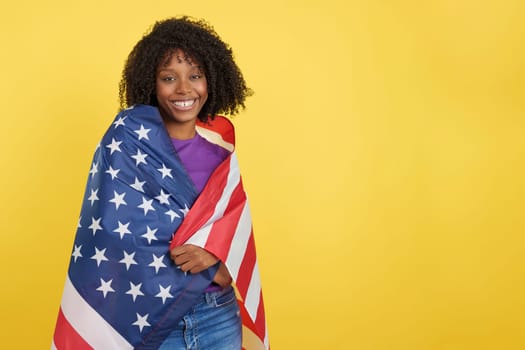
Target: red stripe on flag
{"x": 204, "y": 206}
{"x": 245, "y": 273}
{"x": 260, "y": 321}
{"x": 66, "y": 337}
{"x": 222, "y": 231}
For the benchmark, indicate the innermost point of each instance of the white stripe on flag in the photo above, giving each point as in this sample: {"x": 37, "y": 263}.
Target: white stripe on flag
{"x": 88, "y": 323}
{"x": 200, "y": 237}
{"x": 214, "y": 137}
{"x": 254, "y": 293}
{"x": 239, "y": 242}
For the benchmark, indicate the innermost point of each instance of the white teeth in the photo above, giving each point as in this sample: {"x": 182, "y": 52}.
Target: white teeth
{"x": 186, "y": 103}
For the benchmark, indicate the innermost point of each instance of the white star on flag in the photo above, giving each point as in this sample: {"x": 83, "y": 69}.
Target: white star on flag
{"x": 79, "y": 225}
{"x": 95, "y": 225}
{"x": 185, "y": 210}
{"x": 105, "y": 287}
{"x": 165, "y": 171}
{"x": 146, "y": 205}
{"x": 118, "y": 199}
{"x": 119, "y": 122}
{"x": 128, "y": 260}
{"x": 122, "y": 229}
{"x": 142, "y": 132}
{"x": 139, "y": 157}
{"x": 93, "y": 196}
{"x": 172, "y": 215}
{"x": 142, "y": 321}
{"x": 114, "y": 146}
{"x": 163, "y": 197}
{"x": 150, "y": 234}
{"x": 138, "y": 185}
{"x": 157, "y": 263}
{"x": 76, "y": 253}
{"x": 134, "y": 290}
{"x": 164, "y": 293}
{"x": 94, "y": 169}
{"x": 99, "y": 256}
{"x": 112, "y": 172}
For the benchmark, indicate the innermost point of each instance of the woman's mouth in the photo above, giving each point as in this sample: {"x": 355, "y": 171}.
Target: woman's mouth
{"x": 184, "y": 104}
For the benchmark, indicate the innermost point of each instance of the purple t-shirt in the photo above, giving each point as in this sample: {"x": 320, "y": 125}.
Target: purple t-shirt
{"x": 200, "y": 158}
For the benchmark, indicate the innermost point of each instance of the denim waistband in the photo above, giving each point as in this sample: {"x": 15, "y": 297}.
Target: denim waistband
{"x": 211, "y": 297}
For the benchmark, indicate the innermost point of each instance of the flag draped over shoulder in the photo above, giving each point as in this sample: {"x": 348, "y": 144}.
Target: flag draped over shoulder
{"x": 220, "y": 222}
{"x": 122, "y": 290}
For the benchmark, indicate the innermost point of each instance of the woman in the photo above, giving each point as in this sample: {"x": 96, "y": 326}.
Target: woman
{"x": 158, "y": 190}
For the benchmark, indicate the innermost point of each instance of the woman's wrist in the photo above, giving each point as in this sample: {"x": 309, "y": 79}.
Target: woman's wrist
{"x": 222, "y": 277}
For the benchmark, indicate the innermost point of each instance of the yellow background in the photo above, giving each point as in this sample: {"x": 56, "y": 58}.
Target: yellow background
{"x": 383, "y": 153}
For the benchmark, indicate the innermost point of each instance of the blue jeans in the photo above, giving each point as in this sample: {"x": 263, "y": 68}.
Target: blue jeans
{"x": 213, "y": 324}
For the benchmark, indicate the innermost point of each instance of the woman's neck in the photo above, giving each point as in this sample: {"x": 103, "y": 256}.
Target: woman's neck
{"x": 181, "y": 131}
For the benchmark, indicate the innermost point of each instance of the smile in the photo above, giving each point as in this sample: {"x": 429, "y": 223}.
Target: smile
{"x": 184, "y": 104}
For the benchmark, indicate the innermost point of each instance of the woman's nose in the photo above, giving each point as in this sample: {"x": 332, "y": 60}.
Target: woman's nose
{"x": 183, "y": 87}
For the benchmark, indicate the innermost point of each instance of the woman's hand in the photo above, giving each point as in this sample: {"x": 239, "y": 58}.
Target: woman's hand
{"x": 191, "y": 258}
{"x": 194, "y": 259}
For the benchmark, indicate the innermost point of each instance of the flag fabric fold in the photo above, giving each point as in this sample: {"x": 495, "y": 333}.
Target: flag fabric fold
{"x": 122, "y": 290}
{"x": 220, "y": 222}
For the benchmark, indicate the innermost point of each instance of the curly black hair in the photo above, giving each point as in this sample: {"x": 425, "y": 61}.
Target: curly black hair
{"x": 227, "y": 89}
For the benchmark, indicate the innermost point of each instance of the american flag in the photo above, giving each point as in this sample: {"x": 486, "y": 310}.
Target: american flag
{"x": 122, "y": 290}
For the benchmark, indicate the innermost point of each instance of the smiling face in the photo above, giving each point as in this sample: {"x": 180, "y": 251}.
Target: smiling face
{"x": 181, "y": 91}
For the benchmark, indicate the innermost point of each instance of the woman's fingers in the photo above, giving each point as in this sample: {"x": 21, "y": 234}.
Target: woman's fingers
{"x": 191, "y": 258}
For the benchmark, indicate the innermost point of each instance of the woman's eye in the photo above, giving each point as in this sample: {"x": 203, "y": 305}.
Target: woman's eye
{"x": 196, "y": 76}
{"x": 168, "y": 78}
